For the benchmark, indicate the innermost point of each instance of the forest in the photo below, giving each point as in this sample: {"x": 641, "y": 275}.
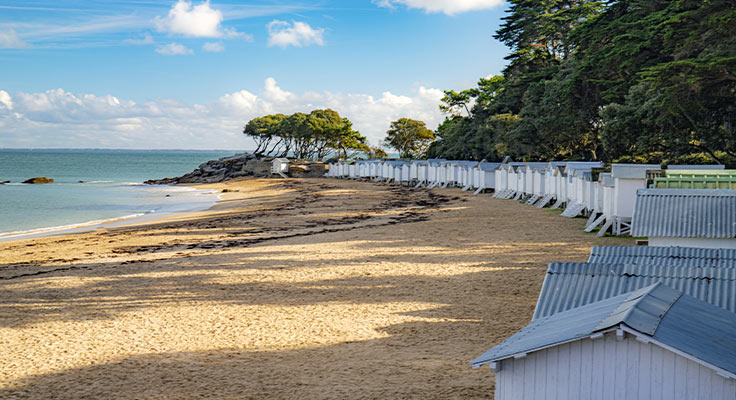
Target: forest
{"x": 623, "y": 80}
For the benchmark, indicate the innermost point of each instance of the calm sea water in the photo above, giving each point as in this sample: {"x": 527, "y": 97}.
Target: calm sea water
{"x": 111, "y": 187}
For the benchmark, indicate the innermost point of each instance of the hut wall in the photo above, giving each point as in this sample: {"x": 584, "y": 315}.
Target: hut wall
{"x": 608, "y": 369}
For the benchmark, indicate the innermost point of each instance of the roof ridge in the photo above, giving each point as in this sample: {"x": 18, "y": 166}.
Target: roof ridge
{"x": 643, "y": 310}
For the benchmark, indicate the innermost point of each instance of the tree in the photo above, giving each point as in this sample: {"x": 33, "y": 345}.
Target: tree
{"x": 318, "y": 134}
{"x": 263, "y": 130}
{"x": 410, "y": 137}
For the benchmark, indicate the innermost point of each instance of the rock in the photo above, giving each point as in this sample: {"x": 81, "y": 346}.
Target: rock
{"x": 212, "y": 171}
{"x": 298, "y": 168}
{"x": 39, "y": 180}
{"x": 259, "y": 168}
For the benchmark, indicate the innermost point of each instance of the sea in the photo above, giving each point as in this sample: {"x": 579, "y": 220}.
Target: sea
{"x": 94, "y": 188}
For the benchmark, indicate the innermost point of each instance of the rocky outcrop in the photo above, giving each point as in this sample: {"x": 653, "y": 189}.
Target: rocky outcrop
{"x": 39, "y": 180}
{"x": 307, "y": 169}
{"x": 213, "y": 171}
{"x": 242, "y": 165}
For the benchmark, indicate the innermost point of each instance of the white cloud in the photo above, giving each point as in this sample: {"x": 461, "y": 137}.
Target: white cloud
{"x": 215, "y": 47}
{"x": 174, "y": 49}
{"x": 57, "y": 118}
{"x": 148, "y": 39}
{"x": 10, "y": 40}
{"x": 200, "y": 20}
{"x": 299, "y": 34}
{"x": 449, "y": 7}
{"x": 6, "y": 100}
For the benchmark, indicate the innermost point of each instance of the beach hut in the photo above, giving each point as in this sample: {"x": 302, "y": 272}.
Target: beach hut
{"x": 485, "y": 176}
{"x": 686, "y": 217}
{"x": 560, "y": 182}
{"x": 538, "y": 180}
{"x": 280, "y": 166}
{"x": 404, "y": 172}
{"x": 628, "y": 178}
{"x": 696, "y": 179}
{"x": 501, "y": 181}
{"x": 655, "y": 342}
{"x": 467, "y": 174}
{"x": 433, "y": 171}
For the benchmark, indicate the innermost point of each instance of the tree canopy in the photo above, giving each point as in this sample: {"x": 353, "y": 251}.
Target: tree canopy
{"x": 645, "y": 80}
{"x": 318, "y": 134}
{"x": 410, "y": 137}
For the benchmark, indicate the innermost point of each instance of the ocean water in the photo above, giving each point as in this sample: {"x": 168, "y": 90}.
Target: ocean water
{"x": 94, "y": 187}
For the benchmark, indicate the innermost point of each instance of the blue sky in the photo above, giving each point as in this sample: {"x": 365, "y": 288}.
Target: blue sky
{"x": 180, "y": 74}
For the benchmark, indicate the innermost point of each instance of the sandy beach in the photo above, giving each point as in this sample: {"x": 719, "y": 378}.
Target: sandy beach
{"x": 308, "y": 288}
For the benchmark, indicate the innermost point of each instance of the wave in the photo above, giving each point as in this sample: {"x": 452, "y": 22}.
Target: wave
{"x": 62, "y": 228}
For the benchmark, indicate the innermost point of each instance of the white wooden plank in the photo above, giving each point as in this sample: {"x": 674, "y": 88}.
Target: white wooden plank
{"x": 553, "y": 371}
{"x": 646, "y": 370}
{"x": 633, "y": 367}
{"x": 619, "y": 367}
{"x": 599, "y": 359}
{"x": 586, "y": 368}
{"x": 563, "y": 371}
{"x": 668, "y": 373}
{"x": 680, "y": 366}
{"x": 573, "y": 388}
{"x": 540, "y": 383}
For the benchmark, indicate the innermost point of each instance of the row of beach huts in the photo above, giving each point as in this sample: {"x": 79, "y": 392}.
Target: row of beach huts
{"x": 634, "y": 322}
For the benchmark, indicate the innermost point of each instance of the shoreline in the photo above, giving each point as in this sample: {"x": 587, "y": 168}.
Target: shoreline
{"x": 121, "y": 221}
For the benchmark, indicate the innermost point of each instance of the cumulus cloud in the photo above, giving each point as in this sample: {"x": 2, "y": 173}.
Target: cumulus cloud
{"x": 449, "y": 7}
{"x": 299, "y": 34}
{"x": 174, "y": 49}
{"x": 10, "y": 40}
{"x": 215, "y": 47}
{"x": 200, "y": 20}
{"x": 57, "y": 118}
{"x": 6, "y": 100}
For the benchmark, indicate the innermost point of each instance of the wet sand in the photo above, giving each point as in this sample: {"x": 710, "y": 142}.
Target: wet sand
{"x": 310, "y": 288}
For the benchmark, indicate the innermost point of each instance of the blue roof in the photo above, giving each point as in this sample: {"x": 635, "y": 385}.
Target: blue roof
{"x": 675, "y": 256}
{"x": 668, "y": 316}
{"x": 488, "y": 166}
{"x": 570, "y": 285}
{"x": 685, "y": 213}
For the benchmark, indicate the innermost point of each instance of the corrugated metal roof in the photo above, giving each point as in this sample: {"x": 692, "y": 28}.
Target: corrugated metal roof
{"x": 658, "y": 311}
{"x": 570, "y": 285}
{"x": 464, "y": 163}
{"x": 677, "y": 256}
{"x": 685, "y": 213}
{"x": 633, "y": 171}
{"x": 486, "y": 166}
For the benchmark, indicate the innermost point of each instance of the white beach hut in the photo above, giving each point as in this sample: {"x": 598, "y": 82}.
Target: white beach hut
{"x": 280, "y": 166}
{"x": 484, "y": 176}
{"x": 628, "y": 178}
{"x": 655, "y": 342}
{"x": 501, "y": 181}
{"x": 433, "y": 171}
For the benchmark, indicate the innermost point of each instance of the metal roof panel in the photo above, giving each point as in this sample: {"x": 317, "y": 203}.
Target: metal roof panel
{"x": 685, "y": 213}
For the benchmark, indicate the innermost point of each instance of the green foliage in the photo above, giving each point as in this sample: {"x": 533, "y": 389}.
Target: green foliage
{"x": 318, "y": 134}
{"x": 647, "y": 80}
{"x": 410, "y": 137}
